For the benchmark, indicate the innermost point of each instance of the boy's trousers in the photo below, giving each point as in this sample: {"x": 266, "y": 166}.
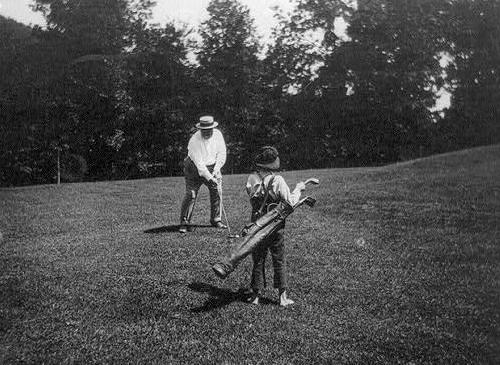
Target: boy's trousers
{"x": 276, "y": 246}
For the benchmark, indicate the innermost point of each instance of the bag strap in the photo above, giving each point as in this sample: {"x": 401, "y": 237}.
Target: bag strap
{"x": 266, "y": 195}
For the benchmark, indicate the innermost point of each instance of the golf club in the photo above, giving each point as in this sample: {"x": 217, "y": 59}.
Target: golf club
{"x": 312, "y": 181}
{"x": 223, "y": 211}
{"x": 229, "y": 235}
{"x": 190, "y": 214}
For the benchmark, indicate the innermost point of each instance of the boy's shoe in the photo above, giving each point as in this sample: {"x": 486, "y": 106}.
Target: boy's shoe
{"x": 284, "y": 301}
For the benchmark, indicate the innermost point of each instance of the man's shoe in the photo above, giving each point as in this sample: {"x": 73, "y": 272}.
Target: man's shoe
{"x": 245, "y": 291}
{"x": 220, "y": 225}
{"x": 254, "y": 298}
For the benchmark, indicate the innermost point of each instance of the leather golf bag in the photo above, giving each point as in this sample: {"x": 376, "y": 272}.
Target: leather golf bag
{"x": 254, "y": 234}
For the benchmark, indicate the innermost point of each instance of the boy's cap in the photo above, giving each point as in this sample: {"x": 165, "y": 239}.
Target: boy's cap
{"x": 267, "y": 158}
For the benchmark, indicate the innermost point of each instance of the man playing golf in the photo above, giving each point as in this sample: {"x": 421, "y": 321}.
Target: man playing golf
{"x": 265, "y": 189}
{"x": 206, "y": 156}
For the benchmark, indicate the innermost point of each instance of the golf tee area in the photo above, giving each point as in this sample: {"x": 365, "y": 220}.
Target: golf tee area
{"x": 398, "y": 264}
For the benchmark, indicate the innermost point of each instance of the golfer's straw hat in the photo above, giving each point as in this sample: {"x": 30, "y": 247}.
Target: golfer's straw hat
{"x": 267, "y": 158}
{"x": 206, "y": 122}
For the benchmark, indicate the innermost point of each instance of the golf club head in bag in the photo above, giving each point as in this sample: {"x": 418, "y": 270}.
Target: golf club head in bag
{"x": 309, "y": 201}
{"x": 312, "y": 181}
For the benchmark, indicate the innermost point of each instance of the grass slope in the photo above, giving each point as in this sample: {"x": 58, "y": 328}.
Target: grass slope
{"x": 396, "y": 264}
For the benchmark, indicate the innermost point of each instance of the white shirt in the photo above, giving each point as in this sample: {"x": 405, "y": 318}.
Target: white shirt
{"x": 278, "y": 190}
{"x": 204, "y": 152}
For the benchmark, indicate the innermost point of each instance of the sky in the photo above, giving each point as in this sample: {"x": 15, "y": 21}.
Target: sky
{"x": 19, "y": 10}
{"x": 194, "y": 11}
{"x": 188, "y": 11}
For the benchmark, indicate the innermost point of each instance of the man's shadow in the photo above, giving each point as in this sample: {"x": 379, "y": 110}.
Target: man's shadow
{"x": 173, "y": 228}
{"x": 220, "y": 297}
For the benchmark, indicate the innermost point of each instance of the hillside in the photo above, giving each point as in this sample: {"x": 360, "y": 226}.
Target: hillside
{"x": 395, "y": 264}
{"x": 18, "y": 30}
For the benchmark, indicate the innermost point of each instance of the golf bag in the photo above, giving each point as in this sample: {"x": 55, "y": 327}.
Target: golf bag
{"x": 255, "y": 233}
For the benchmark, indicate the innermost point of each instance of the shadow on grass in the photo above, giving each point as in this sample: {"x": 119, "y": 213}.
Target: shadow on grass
{"x": 173, "y": 228}
{"x": 220, "y": 297}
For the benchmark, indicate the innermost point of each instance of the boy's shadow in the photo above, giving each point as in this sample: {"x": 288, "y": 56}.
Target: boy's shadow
{"x": 173, "y": 228}
{"x": 220, "y": 297}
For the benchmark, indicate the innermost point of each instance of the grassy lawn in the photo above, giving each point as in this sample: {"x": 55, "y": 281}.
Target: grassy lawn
{"x": 395, "y": 264}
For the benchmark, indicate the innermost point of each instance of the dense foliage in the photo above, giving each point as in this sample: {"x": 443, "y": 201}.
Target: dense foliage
{"x": 103, "y": 94}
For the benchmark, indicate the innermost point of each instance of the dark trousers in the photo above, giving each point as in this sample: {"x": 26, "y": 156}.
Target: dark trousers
{"x": 193, "y": 184}
{"x": 274, "y": 244}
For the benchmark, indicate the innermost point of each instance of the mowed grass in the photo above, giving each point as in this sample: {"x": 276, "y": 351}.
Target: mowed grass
{"x": 395, "y": 264}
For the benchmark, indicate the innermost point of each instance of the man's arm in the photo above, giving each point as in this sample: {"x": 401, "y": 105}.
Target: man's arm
{"x": 196, "y": 155}
{"x": 221, "y": 153}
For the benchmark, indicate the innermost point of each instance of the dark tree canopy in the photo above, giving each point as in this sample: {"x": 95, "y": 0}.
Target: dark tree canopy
{"x": 111, "y": 96}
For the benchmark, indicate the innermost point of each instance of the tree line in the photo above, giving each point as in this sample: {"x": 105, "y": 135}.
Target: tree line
{"x": 101, "y": 93}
